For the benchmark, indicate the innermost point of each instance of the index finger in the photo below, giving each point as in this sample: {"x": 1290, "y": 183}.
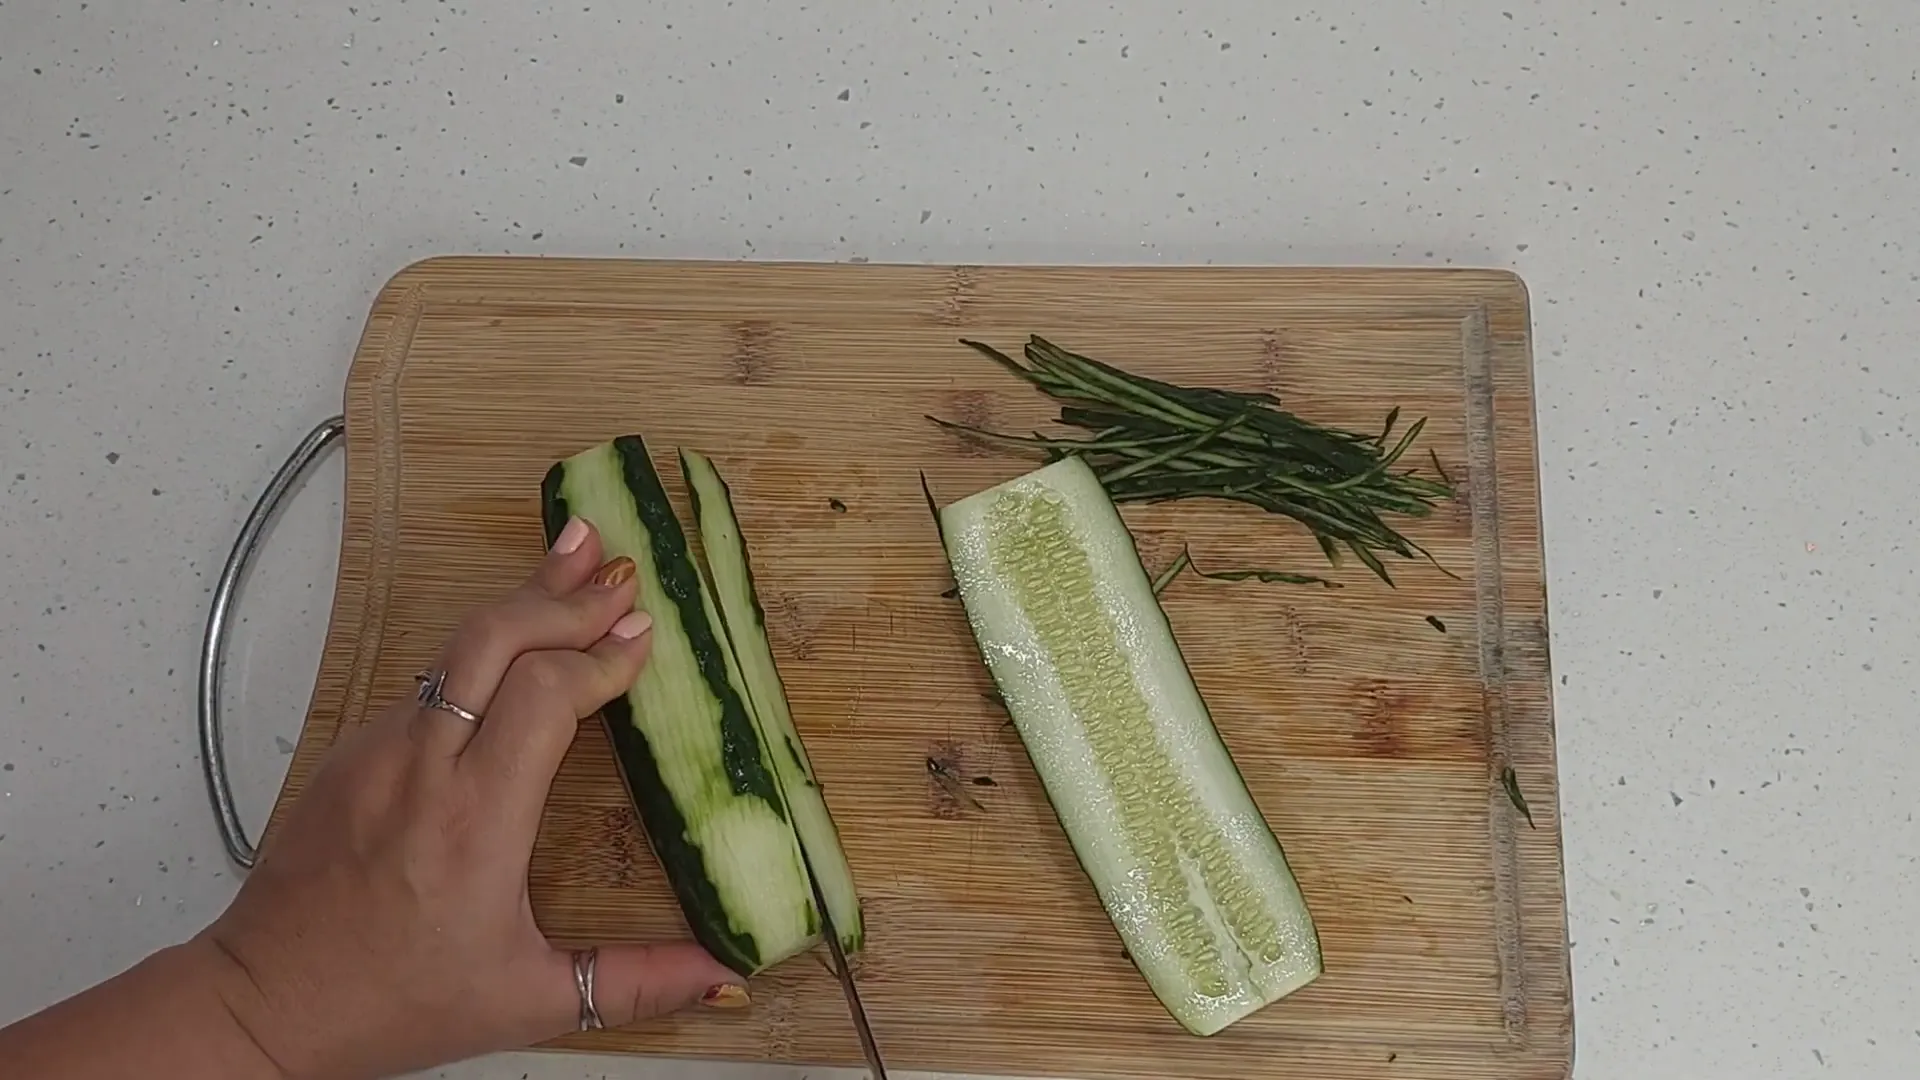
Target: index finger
{"x": 573, "y": 552}
{"x": 546, "y": 694}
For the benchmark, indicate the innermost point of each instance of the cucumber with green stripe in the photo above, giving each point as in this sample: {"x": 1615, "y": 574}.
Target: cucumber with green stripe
{"x": 703, "y": 776}
{"x": 730, "y": 574}
{"x": 1160, "y": 818}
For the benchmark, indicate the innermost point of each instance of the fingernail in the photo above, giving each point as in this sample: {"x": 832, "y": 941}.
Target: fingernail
{"x": 726, "y": 996}
{"x": 631, "y": 625}
{"x": 617, "y": 571}
{"x": 571, "y": 537}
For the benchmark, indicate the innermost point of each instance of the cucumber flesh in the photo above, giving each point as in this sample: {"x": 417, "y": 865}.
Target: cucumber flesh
{"x": 701, "y": 778}
{"x": 1160, "y": 818}
{"x": 730, "y": 574}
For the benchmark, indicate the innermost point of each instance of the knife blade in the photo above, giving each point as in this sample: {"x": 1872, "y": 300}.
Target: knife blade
{"x": 845, "y": 974}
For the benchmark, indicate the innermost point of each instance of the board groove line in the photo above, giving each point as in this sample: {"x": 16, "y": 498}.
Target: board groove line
{"x": 385, "y": 438}
{"x": 1476, "y": 354}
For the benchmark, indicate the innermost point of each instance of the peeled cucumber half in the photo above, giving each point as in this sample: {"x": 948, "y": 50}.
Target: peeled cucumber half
{"x": 1185, "y": 865}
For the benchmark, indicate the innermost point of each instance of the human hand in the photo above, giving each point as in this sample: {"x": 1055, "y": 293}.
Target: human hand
{"x": 387, "y": 925}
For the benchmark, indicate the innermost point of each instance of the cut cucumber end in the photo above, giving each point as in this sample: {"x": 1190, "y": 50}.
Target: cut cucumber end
{"x": 1188, "y": 870}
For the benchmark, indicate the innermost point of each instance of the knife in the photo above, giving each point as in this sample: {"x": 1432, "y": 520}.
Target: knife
{"x": 845, "y": 974}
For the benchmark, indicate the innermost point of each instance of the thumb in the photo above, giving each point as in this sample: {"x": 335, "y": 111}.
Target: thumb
{"x": 639, "y": 982}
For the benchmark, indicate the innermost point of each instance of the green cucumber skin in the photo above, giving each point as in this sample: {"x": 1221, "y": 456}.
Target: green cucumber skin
{"x": 664, "y": 824}
{"x": 850, "y": 920}
{"x": 753, "y": 593}
{"x": 680, "y": 581}
{"x": 666, "y": 833}
{"x": 554, "y": 512}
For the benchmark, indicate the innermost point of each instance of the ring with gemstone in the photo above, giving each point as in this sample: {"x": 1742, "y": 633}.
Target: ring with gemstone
{"x": 432, "y": 682}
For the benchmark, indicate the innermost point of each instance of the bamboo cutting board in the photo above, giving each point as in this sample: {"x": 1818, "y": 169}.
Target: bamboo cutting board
{"x": 1373, "y": 739}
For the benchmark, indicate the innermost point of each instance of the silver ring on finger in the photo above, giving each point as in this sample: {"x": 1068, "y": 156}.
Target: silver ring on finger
{"x": 584, "y": 962}
{"x": 432, "y": 682}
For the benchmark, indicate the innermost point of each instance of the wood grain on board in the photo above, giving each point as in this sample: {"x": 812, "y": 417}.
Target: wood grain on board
{"x": 1373, "y": 740}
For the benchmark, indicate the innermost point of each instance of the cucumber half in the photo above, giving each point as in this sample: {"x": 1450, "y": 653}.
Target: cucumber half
{"x": 1160, "y": 818}
{"x": 730, "y": 572}
{"x": 702, "y": 774}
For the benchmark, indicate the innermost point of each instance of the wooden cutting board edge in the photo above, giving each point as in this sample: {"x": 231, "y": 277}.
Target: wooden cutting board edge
{"x": 1495, "y": 308}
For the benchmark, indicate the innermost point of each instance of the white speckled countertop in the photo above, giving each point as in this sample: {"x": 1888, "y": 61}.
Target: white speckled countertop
{"x": 1714, "y": 205}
